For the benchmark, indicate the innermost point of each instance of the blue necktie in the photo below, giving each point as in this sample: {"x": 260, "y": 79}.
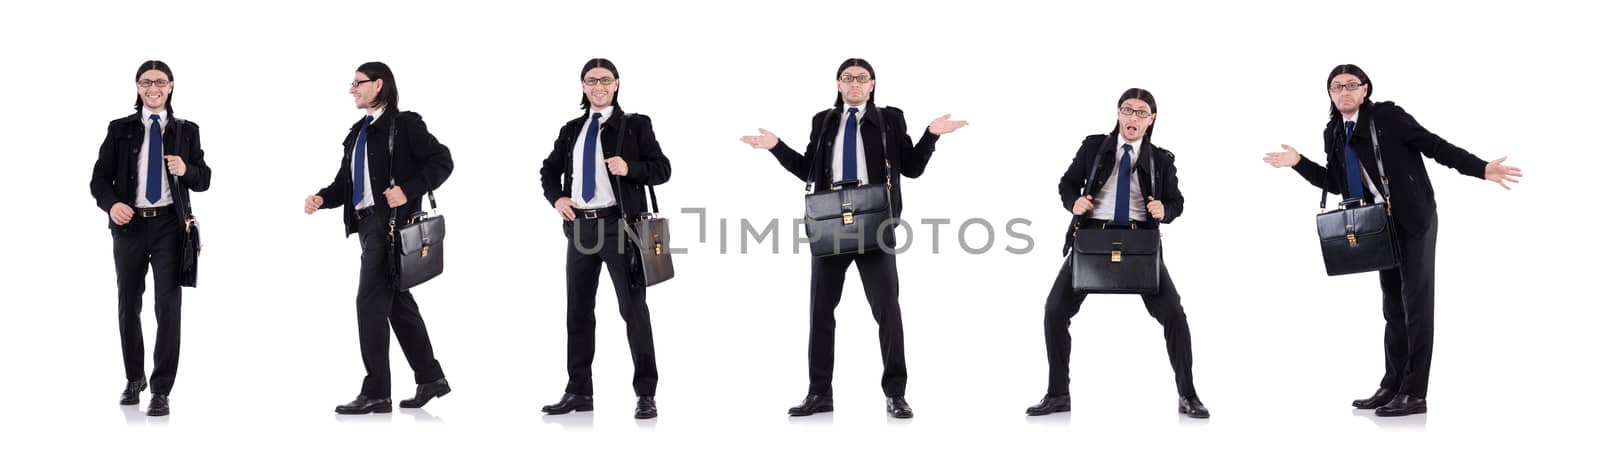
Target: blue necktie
{"x": 1124, "y": 172}
{"x": 588, "y": 157}
{"x": 1352, "y": 165}
{"x": 850, "y": 146}
{"x": 152, "y": 173}
{"x": 358, "y": 187}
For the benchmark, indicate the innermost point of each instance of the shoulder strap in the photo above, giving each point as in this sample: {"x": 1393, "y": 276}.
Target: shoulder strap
{"x": 393, "y": 128}
{"x": 811, "y": 173}
{"x": 177, "y": 182}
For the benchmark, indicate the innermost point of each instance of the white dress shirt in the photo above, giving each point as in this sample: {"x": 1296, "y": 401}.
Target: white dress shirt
{"x": 365, "y": 167}
{"x": 603, "y": 196}
{"x": 1105, "y": 201}
{"x": 861, "y": 148}
{"x": 144, "y": 162}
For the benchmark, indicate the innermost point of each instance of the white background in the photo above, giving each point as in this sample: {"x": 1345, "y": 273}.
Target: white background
{"x": 269, "y": 338}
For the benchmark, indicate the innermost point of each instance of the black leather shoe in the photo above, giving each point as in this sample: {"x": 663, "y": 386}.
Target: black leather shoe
{"x": 1378, "y": 399}
{"x": 898, "y": 408}
{"x": 426, "y": 392}
{"x": 158, "y": 405}
{"x": 646, "y": 409}
{"x": 569, "y": 403}
{"x": 1192, "y": 407}
{"x": 130, "y": 394}
{"x": 1402, "y": 405}
{"x": 363, "y": 405}
{"x": 1051, "y": 404}
{"x": 813, "y": 404}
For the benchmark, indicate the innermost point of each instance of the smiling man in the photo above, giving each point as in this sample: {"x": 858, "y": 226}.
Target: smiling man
{"x": 602, "y": 161}
{"x": 390, "y": 160}
{"x": 148, "y": 163}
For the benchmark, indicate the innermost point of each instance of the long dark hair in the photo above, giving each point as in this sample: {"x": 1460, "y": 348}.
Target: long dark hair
{"x": 1351, "y": 69}
{"x": 609, "y": 66}
{"x": 389, "y": 95}
{"x": 838, "y": 100}
{"x": 153, "y": 65}
{"x": 1141, "y": 95}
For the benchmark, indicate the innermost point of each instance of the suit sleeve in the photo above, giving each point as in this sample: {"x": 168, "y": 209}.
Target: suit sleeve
{"x": 913, "y": 158}
{"x": 431, "y": 157}
{"x": 1434, "y": 146}
{"x": 1075, "y": 179}
{"x": 1171, "y": 196}
{"x": 335, "y": 194}
{"x": 196, "y": 175}
{"x": 102, "y": 181}
{"x": 1319, "y": 176}
{"x": 796, "y": 163}
{"x": 552, "y": 170}
{"x": 654, "y": 168}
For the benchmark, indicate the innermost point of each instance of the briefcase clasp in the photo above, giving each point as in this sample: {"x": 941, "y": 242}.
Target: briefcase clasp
{"x": 849, "y": 217}
{"x": 658, "y": 247}
{"x": 1351, "y": 237}
{"x": 424, "y": 250}
{"x": 1116, "y": 252}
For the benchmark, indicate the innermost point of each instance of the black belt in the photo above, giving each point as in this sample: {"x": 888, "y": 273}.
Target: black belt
{"x": 1097, "y": 223}
{"x": 146, "y": 212}
{"x": 364, "y": 213}
{"x": 591, "y": 214}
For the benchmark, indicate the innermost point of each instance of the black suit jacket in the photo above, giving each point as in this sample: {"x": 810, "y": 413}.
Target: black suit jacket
{"x": 646, "y": 164}
{"x": 883, "y": 132}
{"x": 1404, "y": 142}
{"x": 419, "y": 164}
{"x": 1155, "y": 171}
{"x": 116, "y": 176}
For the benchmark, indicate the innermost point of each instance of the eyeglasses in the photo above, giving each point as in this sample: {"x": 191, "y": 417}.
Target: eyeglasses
{"x": 1140, "y": 113}
{"x": 1336, "y": 88}
{"x": 861, "y": 79}
{"x": 600, "y": 81}
{"x": 355, "y": 83}
{"x": 159, "y": 83}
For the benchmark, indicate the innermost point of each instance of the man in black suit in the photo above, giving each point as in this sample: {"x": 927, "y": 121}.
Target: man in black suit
{"x": 591, "y": 184}
{"x": 390, "y": 161}
{"x": 1402, "y": 183}
{"x": 148, "y": 163}
{"x": 852, "y": 144}
{"x": 1135, "y": 185}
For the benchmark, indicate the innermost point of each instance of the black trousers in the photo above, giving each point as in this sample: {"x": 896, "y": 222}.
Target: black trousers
{"x": 881, "y": 281}
{"x": 380, "y": 307}
{"x": 1408, "y": 312}
{"x": 153, "y": 243}
{"x": 1165, "y": 306}
{"x": 591, "y": 242}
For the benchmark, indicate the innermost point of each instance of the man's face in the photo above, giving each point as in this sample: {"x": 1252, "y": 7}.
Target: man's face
{"x": 1134, "y": 119}
{"x": 600, "y": 86}
{"x": 154, "y": 87}
{"x": 856, "y": 85}
{"x": 365, "y": 91}
{"x": 1343, "y": 96}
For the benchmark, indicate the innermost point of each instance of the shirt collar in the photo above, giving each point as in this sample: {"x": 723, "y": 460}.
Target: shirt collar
{"x": 144, "y": 115}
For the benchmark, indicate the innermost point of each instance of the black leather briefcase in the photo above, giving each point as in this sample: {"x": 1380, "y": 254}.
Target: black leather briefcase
{"x": 418, "y": 249}
{"x": 650, "y": 260}
{"x": 850, "y": 220}
{"x": 1116, "y": 261}
{"x": 417, "y": 245}
{"x": 1357, "y": 237}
